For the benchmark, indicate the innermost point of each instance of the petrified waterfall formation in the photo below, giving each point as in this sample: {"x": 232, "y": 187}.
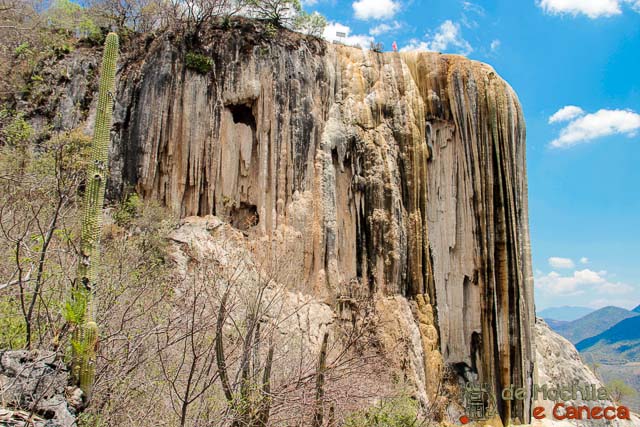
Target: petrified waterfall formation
{"x": 402, "y": 172}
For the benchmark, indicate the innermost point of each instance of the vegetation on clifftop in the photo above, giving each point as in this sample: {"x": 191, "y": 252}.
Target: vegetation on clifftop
{"x": 36, "y": 33}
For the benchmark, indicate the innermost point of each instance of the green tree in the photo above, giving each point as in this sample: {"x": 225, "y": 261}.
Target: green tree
{"x": 281, "y": 13}
{"x": 71, "y": 17}
{"x": 311, "y": 23}
{"x": 131, "y": 15}
{"x": 38, "y": 193}
{"x": 194, "y": 15}
{"x": 398, "y": 412}
{"x": 16, "y": 131}
{"x": 619, "y": 390}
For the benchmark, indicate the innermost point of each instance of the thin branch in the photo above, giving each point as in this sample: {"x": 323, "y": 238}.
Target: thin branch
{"x": 18, "y": 281}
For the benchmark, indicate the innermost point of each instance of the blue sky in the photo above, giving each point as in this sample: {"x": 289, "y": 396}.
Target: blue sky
{"x": 584, "y": 164}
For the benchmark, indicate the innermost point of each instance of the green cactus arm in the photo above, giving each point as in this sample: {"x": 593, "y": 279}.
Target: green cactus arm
{"x": 85, "y": 334}
{"x": 97, "y": 170}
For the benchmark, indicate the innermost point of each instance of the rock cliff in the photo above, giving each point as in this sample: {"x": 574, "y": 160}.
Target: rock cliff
{"x": 400, "y": 173}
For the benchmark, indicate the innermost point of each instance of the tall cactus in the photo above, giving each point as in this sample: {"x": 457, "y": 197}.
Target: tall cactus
{"x": 85, "y": 329}
{"x": 321, "y": 372}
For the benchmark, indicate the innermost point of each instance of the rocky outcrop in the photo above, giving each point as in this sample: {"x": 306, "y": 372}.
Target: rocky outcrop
{"x": 400, "y": 174}
{"x": 558, "y": 364}
{"x": 208, "y": 240}
{"x": 34, "y": 392}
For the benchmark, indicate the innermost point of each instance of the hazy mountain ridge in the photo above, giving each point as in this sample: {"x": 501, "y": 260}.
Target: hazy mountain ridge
{"x": 592, "y": 324}
{"x": 613, "y": 352}
{"x": 556, "y": 324}
{"x": 565, "y": 313}
{"x": 618, "y": 344}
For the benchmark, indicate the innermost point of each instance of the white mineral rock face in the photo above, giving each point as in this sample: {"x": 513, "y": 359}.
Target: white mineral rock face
{"x": 558, "y": 363}
{"x": 397, "y": 174}
{"x": 200, "y": 242}
{"x": 403, "y": 173}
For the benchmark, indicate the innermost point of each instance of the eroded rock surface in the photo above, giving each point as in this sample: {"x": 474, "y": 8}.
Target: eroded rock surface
{"x": 33, "y": 390}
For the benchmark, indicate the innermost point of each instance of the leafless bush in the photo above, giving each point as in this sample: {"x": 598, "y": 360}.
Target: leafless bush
{"x": 195, "y": 15}
{"x": 217, "y": 331}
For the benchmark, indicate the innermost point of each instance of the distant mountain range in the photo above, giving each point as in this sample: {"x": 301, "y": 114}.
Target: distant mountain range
{"x": 566, "y": 313}
{"x": 608, "y": 340}
{"x": 618, "y": 344}
{"x": 592, "y": 324}
{"x": 557, "y": 325}
{"x": 610, "y": 335}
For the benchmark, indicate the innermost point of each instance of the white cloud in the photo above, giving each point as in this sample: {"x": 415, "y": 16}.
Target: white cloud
{"x": 557, "y": 262}
{"x": 447, "y": 37}
{"x": 332, "y": 28}
{"x": 592, "y": 8}
{"x": 416, "y": 45}
{"x": 385, "y": 28}
{"x": 495, "y": 45}
{"x": 597, "y": 125}
{"x": 584, "y": 260}
{"x": 617, "y": 302}
{"x": 470, "y": 14}
{"x": 615, "y": 288}
{"x": 556, "y": 284}
{"x": 564, "y": 114}
{"x": 375, "y": 9}
{"x": 635, "y": 4}
{"x": 581, "y": 281}
{"x": 472, "y": 7}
